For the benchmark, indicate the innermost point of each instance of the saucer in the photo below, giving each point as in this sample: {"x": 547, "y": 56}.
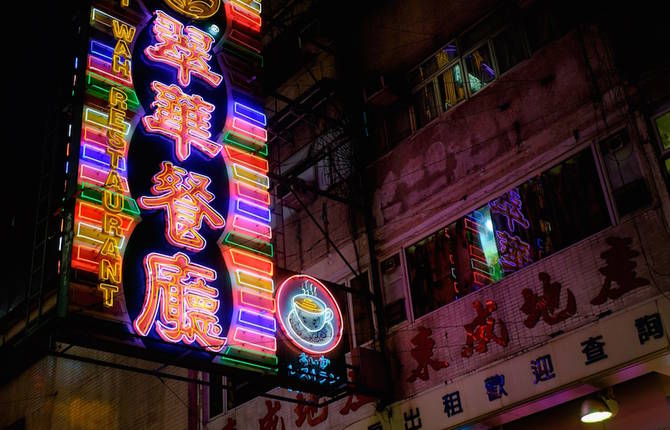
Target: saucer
{"x": 322, "y": 337}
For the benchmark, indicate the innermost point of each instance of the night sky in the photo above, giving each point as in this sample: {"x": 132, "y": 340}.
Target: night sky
{"x": 38, "y": 67}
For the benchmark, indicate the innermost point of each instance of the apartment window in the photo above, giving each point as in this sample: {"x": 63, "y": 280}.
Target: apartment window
{"x": 510, "y": 48}
{"x": 362, "y": 308}
{"x": 546, "y": 21}
{"x": 629, "y": 188}
{"x": 662, "y": 124}
{"x": 549, "y": 212}
{"x": 425, "y": 104}
{"x": 452, "y": 262}
{"x": 479, "y": 68}
{"x": 492, "y": 46}
{"x": 394, "y": 293}
{"x": 215, "y": 395}
{"x": 450, "y": 86}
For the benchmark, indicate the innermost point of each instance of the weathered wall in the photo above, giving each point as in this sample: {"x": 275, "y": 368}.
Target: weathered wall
{"x": 523, "y": 122}
{"x": 576, "y": 268}
{"x": 58, "y": 393}
{"x": 531, "y": 118}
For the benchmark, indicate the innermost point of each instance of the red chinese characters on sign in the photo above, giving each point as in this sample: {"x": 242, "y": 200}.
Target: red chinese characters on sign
{"x": 177, "y": 293}
{"x": 270, "y": 421}
{"x": 185, "y": 198}
{"x": 183, "y": 118}
{"x": 310, "y": 413}
{"x": 481, "y": 330}
{"x": 185, "y": 49}
{"x": 422, "y": 352}
{"x": 620, "y": 269}
{"x": 546, "y": 306}
{"x": 352, "y": 405}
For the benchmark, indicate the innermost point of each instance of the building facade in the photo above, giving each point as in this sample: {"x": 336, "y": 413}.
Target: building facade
{"x": 489, "y": 184}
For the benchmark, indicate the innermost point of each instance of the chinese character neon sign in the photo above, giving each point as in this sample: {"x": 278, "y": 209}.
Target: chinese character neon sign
{"x": 173, "y": 210}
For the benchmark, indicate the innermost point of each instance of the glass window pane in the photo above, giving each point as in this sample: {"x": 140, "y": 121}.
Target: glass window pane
{"x": 429, "y": 67}
{"x": 452, "y": 262}
{"x": 362, "y": 309}
{"x": 394, "y": 296}
{"x": 415, "y": 77}
{"x": 479, "y": 68}
{"x": 215, "y": 395}
{"x": 488, "y": 26}
{"x": 450, "y": 85}
{"x": 425, "y": 106}
{"x": 549, "y": 212}
{"x": 446, "y": 55}
{"x": 663, "y": 126}
{"x": 540, "y": 25}
{"x": 623, "y": 171}
{"x": 429, "y": 264}
{"x": 509, "y": 48}
{"x": 399, "y": 126}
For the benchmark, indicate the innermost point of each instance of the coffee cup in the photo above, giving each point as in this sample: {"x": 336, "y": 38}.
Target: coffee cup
{"x": 312, "y": 312}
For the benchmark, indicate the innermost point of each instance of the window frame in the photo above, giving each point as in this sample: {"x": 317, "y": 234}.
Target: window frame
{"x": 440, "y": 222}
{"x": 489, "y": 42}
{"x": 524, "y": 42}
{"x": 206, "y": 400}
{"x": 664, "y": 154}
{"x": 405, "y": 287}
{"x": 432, "y": 80}
{"x": 604, "y": 175}
{"x": 350, "y": 304}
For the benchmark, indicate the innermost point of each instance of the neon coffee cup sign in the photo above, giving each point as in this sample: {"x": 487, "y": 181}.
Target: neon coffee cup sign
{"x": 309, "y": 315}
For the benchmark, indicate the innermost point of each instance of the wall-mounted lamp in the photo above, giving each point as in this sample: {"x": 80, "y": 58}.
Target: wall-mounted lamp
{"x": 599, "y": 407}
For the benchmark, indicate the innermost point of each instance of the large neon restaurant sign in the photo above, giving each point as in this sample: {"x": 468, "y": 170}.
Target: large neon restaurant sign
{"x": 172, "y": 220}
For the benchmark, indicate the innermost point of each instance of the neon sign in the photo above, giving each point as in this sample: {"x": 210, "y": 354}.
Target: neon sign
{"x": 177, "y": 290}
{"x": 183, "y": 118}
{"x": 309, "y": 314}
{"x": 172, "y": 218}
{"x": 185, "y": 198}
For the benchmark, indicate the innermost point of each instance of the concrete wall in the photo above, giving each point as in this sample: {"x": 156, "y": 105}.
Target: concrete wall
{"x": 58, "y": 393}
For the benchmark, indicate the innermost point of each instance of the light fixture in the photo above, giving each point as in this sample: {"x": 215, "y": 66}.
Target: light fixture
{"x": 599, "y": 408}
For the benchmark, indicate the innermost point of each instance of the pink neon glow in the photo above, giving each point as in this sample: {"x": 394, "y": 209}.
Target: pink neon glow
{"x": 257, "y": 301}
{"x": 177, "y": 292}
{"x": 187, "y": 51}
{"x": 250, "y": 129}
{"x": 250, "y": 226}
{"x": 260, "y": 341}
{"x": 185, "y": 198}
{"x": 253, "y": 193}
{"x": 183, "y": 118}
{"x": 105, "y": 69}
{"x": 97, "y": 176}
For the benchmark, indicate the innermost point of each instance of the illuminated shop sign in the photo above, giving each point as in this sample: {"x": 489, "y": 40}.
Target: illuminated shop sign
{"x": 311, "y": 333}
{"x": 172, "y": 223}
{"x": 309, "y": 315}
